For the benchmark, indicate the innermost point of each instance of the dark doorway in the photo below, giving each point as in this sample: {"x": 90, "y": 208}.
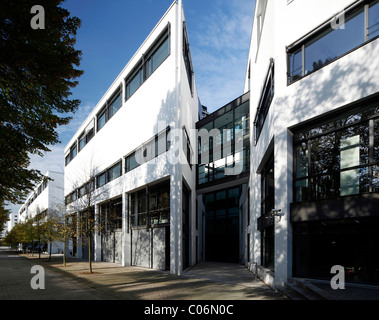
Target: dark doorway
{"x": 351, "y": 243}
{"x": 222, "y": 225}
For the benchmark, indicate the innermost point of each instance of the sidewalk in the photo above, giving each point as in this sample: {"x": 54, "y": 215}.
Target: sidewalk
{"x": 111, "y": 281}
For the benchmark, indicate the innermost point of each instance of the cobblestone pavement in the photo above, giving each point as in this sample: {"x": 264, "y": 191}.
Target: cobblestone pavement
{"x": 113, "y": 282}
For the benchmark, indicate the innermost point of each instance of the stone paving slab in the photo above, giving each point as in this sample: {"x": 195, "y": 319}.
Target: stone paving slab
{"x": 111, "y": 281}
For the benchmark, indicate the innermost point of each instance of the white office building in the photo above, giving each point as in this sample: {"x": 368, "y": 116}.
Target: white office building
{"x": 124, "y": 163}
{"x": 314, "y": 82}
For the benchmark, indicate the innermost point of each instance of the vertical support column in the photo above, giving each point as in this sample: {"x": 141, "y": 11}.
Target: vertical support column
{"x": 283, "y": 197}
{"x": 176, "y": 221}
{"x": 126, "y": 239}
{"x": 97, "y": 234}
{"x": 174, "y": 153}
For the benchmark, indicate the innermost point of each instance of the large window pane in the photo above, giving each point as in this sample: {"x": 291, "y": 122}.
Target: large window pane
{"x": 101, "y": 121}
{"x": 102, "y": 179}
{"x": 342, "y": 162}
{"x": 301, "y": 187}
{"x": 134, "y": 84}
{"x": 373, "y": 23}
{"x": 324, "y": 153}
{"x": 115, "y": 172}
{"x": 335, "y": 42}
{"x": 131, "y": 162}
{"x": 115, "y": 105}
{"x": 302, "y": 161}
{"x": 296, "y": 65}
{"x": 158, "y": 57}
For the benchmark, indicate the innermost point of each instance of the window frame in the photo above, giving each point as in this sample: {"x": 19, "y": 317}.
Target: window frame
{"x": 265, "y": 101}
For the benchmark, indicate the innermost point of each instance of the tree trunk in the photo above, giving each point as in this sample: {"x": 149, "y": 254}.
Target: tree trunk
{"x": 64, "y": 252}
{"x": 89, "y": 253}
{"x": 51, "y": 244}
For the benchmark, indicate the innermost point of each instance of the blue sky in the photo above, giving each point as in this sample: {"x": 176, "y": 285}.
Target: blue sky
{"x": 219, "y": 33}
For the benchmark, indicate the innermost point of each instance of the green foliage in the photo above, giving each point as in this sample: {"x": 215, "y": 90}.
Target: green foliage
{"x": 37, "y": 72}
{"x": 4, "y": 216}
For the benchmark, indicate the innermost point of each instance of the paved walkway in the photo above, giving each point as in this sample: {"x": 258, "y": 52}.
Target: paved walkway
{"x": 113, "y": 282}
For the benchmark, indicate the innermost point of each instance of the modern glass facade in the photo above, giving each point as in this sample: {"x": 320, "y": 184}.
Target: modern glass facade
{"x": 224, "y": 142}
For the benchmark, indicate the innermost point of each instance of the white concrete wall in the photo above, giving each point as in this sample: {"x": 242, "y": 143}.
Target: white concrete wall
{"x": 345, "y": 80}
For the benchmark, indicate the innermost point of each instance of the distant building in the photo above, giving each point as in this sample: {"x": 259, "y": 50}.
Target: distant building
{"x": 46, "y": 197}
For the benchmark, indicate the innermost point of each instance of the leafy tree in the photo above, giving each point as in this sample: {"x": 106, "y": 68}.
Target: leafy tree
{"x": 60, "y": 228}
{"x": 4, "y": 216}
{"x": 37, "y": 72}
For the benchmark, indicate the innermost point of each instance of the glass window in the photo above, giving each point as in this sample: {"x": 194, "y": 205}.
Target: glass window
{"x": 115, "y": 105}
{"x": 341, "y": 162}
{"x": 115, "y": 172}
{"x": 331, "y": 43}
{"x": 265, "y": 102}
{"x": 131, "y": 162}
{"x": 268, "y": 187}
{"x": 296, "y": 65}
{"x": 101, "y": 120}
{"x": 302, "y": 160}
{"x": 82, "y": 142}
{"x": 158, "y": 57}
{"x": 102, "y": 179}
{"x": 241, "y": 118}
{"x": 334, "y": 42}
{"x": 73, "y": 152}
{"x": 134, "y": 83}
{"x": 373, "y": 24}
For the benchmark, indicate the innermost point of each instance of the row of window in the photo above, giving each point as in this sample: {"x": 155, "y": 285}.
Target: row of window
{"x": 360, "y": 25}
{"x": 36, "y": 193}
{"x": 150, "y": 61}
{"x": 148, "y": 151}
{"x": 100, "y": 180}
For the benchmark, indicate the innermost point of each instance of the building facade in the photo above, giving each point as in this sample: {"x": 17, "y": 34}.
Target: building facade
{"x": 46, "y": 198}
{"x": 283, "y": 179}
{"x": 124, "y": 164}
{"x": 314, "y": 85}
